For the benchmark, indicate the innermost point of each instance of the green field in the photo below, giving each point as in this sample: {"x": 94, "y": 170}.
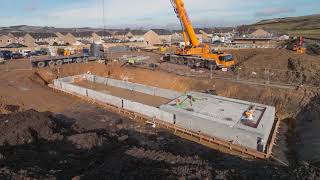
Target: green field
{"x": 308, "y": 26}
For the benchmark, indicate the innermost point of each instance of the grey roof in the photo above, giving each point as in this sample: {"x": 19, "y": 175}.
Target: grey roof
{"x": 103, "y": 33}
{"x": 138, "y": 32}
{"x": 121, "y": 33}
{"x": 15, "y": 45}
{"x": 42, "y": 43}
{"x": 18, "y": 34}
{"x": 162, "y": 31}
{"x": 82, "y": 34}
{"x": 43, "y": 35}
{"x": 64, "y": 33}
{"x": 85, "y": 42}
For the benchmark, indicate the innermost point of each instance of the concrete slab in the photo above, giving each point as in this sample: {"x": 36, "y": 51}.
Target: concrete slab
{"x": 223, "y": 117}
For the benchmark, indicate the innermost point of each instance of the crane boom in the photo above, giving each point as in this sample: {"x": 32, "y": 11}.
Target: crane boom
{"x": 186, "y": 24}
{"x": 196, "y": 54}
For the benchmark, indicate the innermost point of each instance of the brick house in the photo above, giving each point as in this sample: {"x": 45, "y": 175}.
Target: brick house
{"x": 104, "y": 34}
{"x": 50, "y": 38}
{"x": 122, "y": 35}
{"x": 137, "y": 35}
{"x": 152, "y": 38}
{"x": 165, "y": 35}
{"x": 5, "y": 40}
{"x": 66, "y": 38}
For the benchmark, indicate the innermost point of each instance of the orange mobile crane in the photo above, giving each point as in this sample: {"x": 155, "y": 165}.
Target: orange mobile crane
{"x": 195, "y": 54}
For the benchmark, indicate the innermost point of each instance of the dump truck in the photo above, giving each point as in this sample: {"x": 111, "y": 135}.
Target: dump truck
{"x": 196, "y": 54}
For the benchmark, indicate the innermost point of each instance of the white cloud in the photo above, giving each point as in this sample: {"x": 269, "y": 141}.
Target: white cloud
{"x": 132, "y": 12}
{"x": 146, "y": 13}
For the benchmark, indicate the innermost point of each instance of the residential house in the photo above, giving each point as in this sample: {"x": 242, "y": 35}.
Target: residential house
{"x": 223, "y": 37}
{"x": 18, "y": 37}
{"x": 96, "y": 38}
{"x": 88, "y": 37}
{"x": 83, "y": 36}
{"x": 284, "y": 38}
{"x": 50, "y": 38}
{"x": 61, "y": 38}
{"x": 67, "y": 38}
{"x": 152, "y": 38}
{"x": 203, "y": 35}
{"x": 122, "y": 35}
{"x": 260, "y": 33}
{"x": 5, "y": 40}
{"x": 42, "y": 44}
{"x": 29, "y": 41}
{"x": 22, "y": 38}
{"x": 104, "y": 35}
{"x": 137, "y": 35}
{"x": 165, "y": 35}
{"x": 176, "y": 37}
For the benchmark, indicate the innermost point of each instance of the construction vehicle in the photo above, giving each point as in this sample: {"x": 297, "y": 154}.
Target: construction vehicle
{"x": 299, "y": 47}
{"x": 65, "y": 57}
{"x": 195, "y": 53}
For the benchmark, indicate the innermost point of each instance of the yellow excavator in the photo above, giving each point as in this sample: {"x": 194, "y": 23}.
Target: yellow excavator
{"x": 299, "y": 47}
{"x": 194, "y": 53}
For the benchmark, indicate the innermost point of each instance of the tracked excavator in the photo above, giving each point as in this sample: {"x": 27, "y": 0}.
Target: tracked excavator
{"x": 194, "y": 53}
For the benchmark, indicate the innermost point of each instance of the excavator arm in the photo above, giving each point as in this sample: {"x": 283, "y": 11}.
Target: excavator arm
{"x": 187, "y": 28}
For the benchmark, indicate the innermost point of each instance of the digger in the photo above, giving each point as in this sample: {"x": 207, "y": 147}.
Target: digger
{"x": 299, "y": 47}
{"x": 194, "y": 53}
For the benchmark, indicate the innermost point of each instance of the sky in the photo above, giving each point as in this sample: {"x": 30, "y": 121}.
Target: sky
{"x": 147, "y": 13}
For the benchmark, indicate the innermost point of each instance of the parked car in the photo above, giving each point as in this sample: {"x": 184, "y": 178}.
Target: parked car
{"x": 34, "y": 53}
{"x": 17, "y": 56}
{"x": 6, "y": 55}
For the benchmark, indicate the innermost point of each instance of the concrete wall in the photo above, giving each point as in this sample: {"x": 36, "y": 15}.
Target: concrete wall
{"x": 154, "y": 91}
{"x": 66, "y": 85}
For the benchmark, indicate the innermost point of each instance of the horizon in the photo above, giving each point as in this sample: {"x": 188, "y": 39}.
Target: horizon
{"x": 143, "y": 14}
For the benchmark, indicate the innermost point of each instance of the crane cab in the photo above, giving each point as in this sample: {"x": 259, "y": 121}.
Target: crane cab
{"x": 226, "y": 60}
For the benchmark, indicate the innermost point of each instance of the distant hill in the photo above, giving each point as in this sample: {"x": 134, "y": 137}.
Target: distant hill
{"x": 26, "y": 28}
{"x": 308, "y": 26}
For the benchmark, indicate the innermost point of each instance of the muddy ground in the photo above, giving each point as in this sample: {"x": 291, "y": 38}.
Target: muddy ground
{"x": 48, "y": 135}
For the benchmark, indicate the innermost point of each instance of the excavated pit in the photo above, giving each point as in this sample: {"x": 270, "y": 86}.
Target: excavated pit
{"x": 208, "y": 115}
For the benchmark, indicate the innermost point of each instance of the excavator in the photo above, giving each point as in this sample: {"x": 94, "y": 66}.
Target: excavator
{"x": 194, "y": 53}
{"x": 299, "y": 46}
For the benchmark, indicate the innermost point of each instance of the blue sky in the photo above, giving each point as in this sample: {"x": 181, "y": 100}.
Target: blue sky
{"x": 147, "y": 13}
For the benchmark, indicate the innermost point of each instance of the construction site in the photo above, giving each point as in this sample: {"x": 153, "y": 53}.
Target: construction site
{"x": 174, "y": 112}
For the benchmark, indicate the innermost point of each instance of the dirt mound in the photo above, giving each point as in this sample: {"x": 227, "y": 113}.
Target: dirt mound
{"x": 43, "y": 77}
{"x": 85, "y": 141}
{"x": 306, "y": 127}
{"x": 26, "y": 127}
{"x": 310, "y": 70}
{"x": 52, "y": 148}
{"x": 313, "y": 49}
